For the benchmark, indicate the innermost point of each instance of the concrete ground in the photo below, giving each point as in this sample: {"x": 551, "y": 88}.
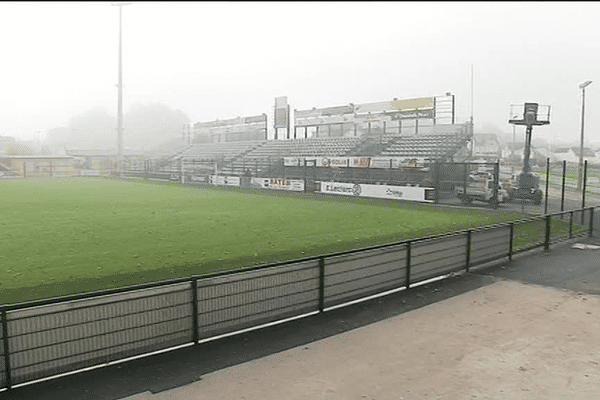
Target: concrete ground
{"x": 522, "y": 329}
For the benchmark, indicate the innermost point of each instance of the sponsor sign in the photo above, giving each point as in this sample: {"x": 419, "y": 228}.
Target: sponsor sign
{"x": 294, "y": 185}
{"x": 383, "y": 162}
{"x": 91, "y": 172}
{"x": 380, "y": 106}
{"x": 338, "y": 162}
{"x": 198, "y": 178}
{"x": 220, "y": 180}
{"x": 355, "y": 162}
{"x": 423, "y": 103}
{"x": 360, "y": 162}
{"x": 322, "y": 120}
{"x": 412, "y": 114}
{"x": 410, "y": 193}
{"x": 293, "y": 161}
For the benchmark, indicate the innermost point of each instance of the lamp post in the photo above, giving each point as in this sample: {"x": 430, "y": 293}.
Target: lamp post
{"x": 579, "y": 175}
{"x": 120, "y": 95}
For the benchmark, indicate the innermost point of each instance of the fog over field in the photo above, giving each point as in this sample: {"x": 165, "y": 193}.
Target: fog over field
{"x": 199, "y": 61}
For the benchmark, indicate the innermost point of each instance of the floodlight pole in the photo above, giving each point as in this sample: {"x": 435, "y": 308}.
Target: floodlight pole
{"x": 120, "y": 95}
{"x": 582, "y": 87}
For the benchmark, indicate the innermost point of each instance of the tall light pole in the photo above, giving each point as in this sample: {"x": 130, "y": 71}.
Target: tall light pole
{"x": 120, "y": 95}
{"x": 579, "y": 175}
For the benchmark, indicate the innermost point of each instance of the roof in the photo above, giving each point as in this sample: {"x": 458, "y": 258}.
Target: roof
{"x": 100, "y": 153}
{"x": 515, "y": 145}
{"x": 587, "y": 152}
{"x": 485, "y": 137}
{"x": 37, "y": 157}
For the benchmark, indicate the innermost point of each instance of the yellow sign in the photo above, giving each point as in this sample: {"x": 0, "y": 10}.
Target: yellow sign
{"x": 423, "y": 103}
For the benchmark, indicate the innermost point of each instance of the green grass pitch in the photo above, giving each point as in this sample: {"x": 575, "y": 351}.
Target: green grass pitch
{"x": 70, "y": 235}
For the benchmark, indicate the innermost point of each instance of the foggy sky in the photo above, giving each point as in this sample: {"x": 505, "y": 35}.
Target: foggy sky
{"x": 223, "y": 60}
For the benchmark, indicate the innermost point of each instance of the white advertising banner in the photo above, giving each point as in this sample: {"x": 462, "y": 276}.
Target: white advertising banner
{"x": 410, "y": 193}
{"x": 293, "y": 185}
{"x": 293, "y": 161}
{"x": 220, "y": 180}
{"x": 91, "y": 172}
{"x": 197, "y": 178}
{"x": 397, "y": 162}
{"x": 354, "y": 162}
{"x": 360, "y": 162}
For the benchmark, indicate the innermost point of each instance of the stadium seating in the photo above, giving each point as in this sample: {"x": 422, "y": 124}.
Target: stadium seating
{"x": 424, "y": 146}
{"x": 263, "y": 156}
{"x": 223, "y": 151}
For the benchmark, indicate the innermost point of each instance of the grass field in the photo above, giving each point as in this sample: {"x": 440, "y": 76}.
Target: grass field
{"x": 69, "y": 235}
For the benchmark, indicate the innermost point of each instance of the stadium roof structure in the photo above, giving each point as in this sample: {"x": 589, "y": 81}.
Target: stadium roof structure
{"x": 32, "y": 157}
{"x": 100, "y": 153}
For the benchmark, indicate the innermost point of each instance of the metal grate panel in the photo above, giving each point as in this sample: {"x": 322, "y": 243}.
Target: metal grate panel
{"x": 490, "y": 244}
{"x": 66, "y": 336}
{"x": 234, "y": 302}
{"x": 353, "y": 276}
{"x": 434, "y": 257}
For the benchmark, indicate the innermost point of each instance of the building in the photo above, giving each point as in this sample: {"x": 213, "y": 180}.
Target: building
{"x": 571, "y": 155}
{"x": 6, "y": 142}
{"x": 487, "y": 147}
{"x": 36, "y": 166}
{"x": 100, "y": 160}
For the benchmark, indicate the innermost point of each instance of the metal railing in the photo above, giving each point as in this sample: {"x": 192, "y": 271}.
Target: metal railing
{"x": 44, "y": 338}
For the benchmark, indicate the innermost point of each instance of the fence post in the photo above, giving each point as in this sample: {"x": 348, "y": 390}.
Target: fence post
{"x": 195, "y": 334}
{"x": 571, "y": 224}
{"x": 6, "y": 350}
{"x": 510, "y": 241}
{"x": 547, "y": 239}
{"x": 547, "y": 180}
{"x": 436, "y": 179}
{"x": 496, "y": 183}
{"x": 562, "y": 196}
{"x": 591, "y": 232}
{"x": 468, "y": 249}
{"x": 408, "y": 246}
{"x": 583, "y": 190}
{"x": 321, "y": 284}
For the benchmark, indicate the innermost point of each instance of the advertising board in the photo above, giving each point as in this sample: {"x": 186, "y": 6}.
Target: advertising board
{"x": 197, "y": 178}
{"x": 293, "y": 161}
{"x": 409, "y": 193}
{"x": 422, "y": 103}
{"x": 91, "y": 172}
{"x": 396, "y": 162}
{"x": 219, "y": 180}
{"x": 355, "y": 162}
{"x": 360, "y": 162}
{"x": 293, "y": 185}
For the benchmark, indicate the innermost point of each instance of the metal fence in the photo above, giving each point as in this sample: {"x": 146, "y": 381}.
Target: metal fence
{"x": 40, "y": 339}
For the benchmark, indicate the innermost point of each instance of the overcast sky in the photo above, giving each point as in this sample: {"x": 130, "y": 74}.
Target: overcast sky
{"x": 223, "y": 60}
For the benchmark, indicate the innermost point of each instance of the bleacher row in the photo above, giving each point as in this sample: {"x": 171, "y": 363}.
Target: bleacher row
{"x": 237, "y": 156}
{"x": 434, "y": 146}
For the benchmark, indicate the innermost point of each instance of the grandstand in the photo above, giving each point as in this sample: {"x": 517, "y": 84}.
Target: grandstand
{"x": 261, "y": 156}
{"x": 421, "y": 128}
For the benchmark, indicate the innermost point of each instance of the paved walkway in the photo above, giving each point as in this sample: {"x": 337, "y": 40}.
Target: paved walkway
{"x": 486, "y": 334}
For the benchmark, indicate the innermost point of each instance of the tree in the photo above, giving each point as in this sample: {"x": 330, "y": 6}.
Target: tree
{"x": 92, "y": 129}
{"x": 19, "y": 150}
{"x": 151, "y": 124}
{"x": 145, "y": 127}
